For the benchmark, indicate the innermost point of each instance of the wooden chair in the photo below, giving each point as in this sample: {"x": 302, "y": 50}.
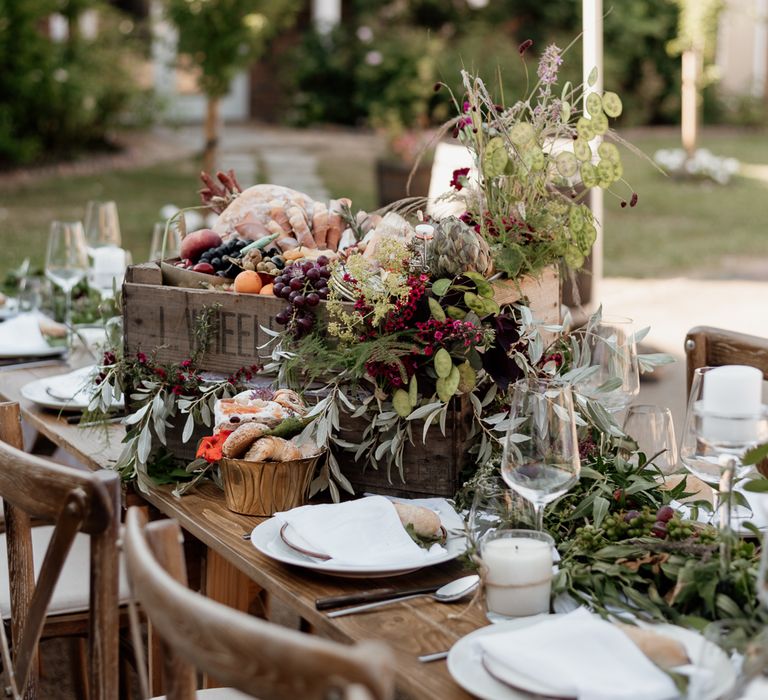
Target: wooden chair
{"x": 253, "y": 656}
{"x": 84, "y": 508}
{"x": 712, "y": 347}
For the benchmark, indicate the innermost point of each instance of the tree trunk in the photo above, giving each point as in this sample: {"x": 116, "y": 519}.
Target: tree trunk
{"x": 211, "y": 134}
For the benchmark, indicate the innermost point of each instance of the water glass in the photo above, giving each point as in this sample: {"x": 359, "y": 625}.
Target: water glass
{"x": 653, "y": 430}
{"x": 540, "y": 460}
{"x": 102, "y": 226}
{"x": 610, "y": 349}
{"x": 496, "y": 507}
{"x": 165, "y": 244}
{"x": 517, "y": 573}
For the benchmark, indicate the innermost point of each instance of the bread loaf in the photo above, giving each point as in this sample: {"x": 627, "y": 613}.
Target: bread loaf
{"x": 425, "y": 522}
{"x": 664, "y": 651}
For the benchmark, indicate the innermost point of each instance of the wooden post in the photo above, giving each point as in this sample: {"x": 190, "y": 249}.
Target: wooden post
{"x": 592, "y": 25}
{"x": 211, "y": 133}
{"x": 691, "y": 70}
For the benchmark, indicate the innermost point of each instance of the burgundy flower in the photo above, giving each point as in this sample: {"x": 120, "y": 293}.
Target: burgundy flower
{"x": 459, "y": 178}
{"x": 525, "y": 46}
{"x": 142, "y": 358}
{"x": 185, "y": 363}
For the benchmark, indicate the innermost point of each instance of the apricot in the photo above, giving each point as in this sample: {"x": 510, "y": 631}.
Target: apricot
{"x": 248, "y": 282}
{"x": 268, "y": 289}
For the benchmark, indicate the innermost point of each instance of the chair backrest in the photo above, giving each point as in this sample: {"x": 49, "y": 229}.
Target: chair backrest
{"x": 75, "y": 501}
{"x": 252, "y": 655}
{"x": 712, "y": 347}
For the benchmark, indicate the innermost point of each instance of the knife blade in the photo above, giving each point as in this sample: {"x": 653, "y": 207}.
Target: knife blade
{"x": 377, "y": 594}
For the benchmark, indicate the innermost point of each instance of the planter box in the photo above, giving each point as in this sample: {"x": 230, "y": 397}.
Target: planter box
{"x": 161, "y": 318}
{"x": 431, "y": 469}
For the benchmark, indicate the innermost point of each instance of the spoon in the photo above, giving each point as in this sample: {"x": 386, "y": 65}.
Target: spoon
{"x": 449, "y": 593}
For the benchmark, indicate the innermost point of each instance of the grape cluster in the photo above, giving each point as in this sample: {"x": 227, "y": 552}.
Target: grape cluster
{"x": 302, "y": 285}
{"x": 215, "y": 257}
{"x": 665, "y": 523}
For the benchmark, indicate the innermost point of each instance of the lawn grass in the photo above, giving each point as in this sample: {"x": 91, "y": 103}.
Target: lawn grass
{"x": 683, "y": 227}
{"x": 677, "y": 228}
{"x": 26, "y": 210}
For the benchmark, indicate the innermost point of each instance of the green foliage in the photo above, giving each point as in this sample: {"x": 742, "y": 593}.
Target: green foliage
{"x": 57, "y": 98}
{"x": 225, "y": 36}
{"x": 381, "y": 64}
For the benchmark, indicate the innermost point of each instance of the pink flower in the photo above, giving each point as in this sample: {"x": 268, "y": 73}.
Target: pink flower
{"x": 428, "y": 350}
{"x": 438, "y": 336}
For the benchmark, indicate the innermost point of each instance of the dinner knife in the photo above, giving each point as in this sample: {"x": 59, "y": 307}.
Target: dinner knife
{"x": 377, "y": 594}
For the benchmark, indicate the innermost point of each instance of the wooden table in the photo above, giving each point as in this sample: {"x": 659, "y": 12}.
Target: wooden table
{"x": 410, "y": 628}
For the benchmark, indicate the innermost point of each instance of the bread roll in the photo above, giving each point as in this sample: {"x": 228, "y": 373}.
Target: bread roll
{"x": 664, "y": 651}
{"x": 241, "y": 439}
{"x": 272, "y": 449}
{"x": 425, "y": 522}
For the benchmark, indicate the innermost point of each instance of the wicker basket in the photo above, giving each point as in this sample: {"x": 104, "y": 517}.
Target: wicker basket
{"x": 265, "y": 488}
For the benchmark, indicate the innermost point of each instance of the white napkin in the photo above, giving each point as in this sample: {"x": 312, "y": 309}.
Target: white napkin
{"x": 450, "y": 518}
{"x": 76, "y": 386}
{"x": 21, "y": 335}
{"x": 365, "y": 532}
{"x": 580, "y": 655}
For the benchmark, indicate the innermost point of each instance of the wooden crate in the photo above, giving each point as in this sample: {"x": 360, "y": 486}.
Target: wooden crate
{"x": 431, "y": 469}
{"x": 161, "y": 319}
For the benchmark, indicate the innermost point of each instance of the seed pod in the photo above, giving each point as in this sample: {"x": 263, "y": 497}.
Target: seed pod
{"x": 401, "y": 403}
{"x": 413, "y": 391}
{"x": 467, "y": 378}
{"x": 443, "y": 363}
{"x": 447, "y": 386}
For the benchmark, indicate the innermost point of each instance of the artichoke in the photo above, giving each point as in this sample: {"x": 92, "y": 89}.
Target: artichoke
{"x": 456, "y": 248}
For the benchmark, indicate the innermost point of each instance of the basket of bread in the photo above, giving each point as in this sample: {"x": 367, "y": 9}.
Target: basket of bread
{"x": 264, "y": 466}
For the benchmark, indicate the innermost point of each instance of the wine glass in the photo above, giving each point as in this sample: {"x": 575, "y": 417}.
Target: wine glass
{"x": 495, "y": 507}
{"x": 653, "y": 430}
{"x": 700, "y": 457}
{"x": 609, "y": 348}
{"x": 102, "y": 227}
{"x": 66, "y": 262}
{"x": 165, "y": 244}
{"x": 540, "y": 460}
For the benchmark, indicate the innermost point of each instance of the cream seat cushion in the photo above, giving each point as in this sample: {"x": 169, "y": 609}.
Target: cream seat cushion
{"x": 72, "y": 589}
{"x": 217, "y": 694}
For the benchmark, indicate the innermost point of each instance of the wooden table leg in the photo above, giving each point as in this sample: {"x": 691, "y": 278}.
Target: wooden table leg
{"x": 225, "y": 584}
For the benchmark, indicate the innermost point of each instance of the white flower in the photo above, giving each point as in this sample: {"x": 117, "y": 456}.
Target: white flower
{"x": 365, "y": 34}
{"x": 374, "y": 58}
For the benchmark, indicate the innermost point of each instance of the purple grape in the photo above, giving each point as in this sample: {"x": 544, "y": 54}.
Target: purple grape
{"x": 297, "y": 283}
{"x": 665, "y": 514}
{"x": 285, "y": 292}
{"x": 307, "y": 266}
{"x": 282, "y": 317}
{"x": 313, "y": 274}
{"x": 631, "y": 515}
{"x": 325, "y": 272}
{"x": 306, "y": 323}
{"x": 659, "y": 529}
{"x": 299, "y": 300}
{"x": 292, "y": 296}
{"x": 280, "y": 280}
{"x": 313, "y": 299}
{"x": 279, "y": 287}
{"x": 322, "y": 260}
{"x": 323, "y": 293}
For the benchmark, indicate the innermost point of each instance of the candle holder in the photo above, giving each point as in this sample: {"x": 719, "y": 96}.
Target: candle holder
{"x": 517, "y": 573}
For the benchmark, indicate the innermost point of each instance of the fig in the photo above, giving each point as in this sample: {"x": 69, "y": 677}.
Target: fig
{"x": 196, "y": 243}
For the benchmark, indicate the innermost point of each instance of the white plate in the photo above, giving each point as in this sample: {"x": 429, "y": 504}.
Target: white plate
{"x": 51, "y": 351}
{"x": 47, "y": 392}
{"x": 467, "y": 665}
{"x": 266, "y": 538}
